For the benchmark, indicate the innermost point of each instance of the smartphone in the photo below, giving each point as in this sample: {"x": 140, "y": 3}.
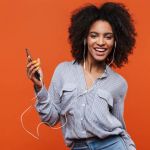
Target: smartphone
{"x": 36, "y": 74}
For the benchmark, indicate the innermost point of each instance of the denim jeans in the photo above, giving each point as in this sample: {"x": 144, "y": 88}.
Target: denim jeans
{"x": 109, "y": 143}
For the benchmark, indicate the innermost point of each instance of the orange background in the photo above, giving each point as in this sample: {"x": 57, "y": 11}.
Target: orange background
{"x": 41, "y": 25}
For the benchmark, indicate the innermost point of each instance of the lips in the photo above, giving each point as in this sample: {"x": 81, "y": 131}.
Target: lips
{"x": 100, "y": 51}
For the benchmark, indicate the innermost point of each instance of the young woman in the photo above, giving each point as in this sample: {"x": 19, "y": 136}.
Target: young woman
{"x": 86, "y": 95}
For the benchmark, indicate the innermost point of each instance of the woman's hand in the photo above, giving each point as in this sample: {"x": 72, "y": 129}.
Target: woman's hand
{"x": 32, "y": 67}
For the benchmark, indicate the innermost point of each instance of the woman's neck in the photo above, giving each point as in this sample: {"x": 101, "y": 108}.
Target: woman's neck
{"x": 93, "y": 66}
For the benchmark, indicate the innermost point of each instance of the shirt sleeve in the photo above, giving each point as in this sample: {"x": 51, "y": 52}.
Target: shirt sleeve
{"x": 118, "y": 112}
{"x": 48, "y": 101}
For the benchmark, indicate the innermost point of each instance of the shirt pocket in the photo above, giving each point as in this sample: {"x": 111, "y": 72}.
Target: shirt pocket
{"x": 68, "y": 96}
{"x": 100, "y": 113}
{"x": 105, "y": 98}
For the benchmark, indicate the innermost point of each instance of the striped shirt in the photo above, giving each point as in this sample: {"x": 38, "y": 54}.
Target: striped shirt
{"x": 97, "y": 111}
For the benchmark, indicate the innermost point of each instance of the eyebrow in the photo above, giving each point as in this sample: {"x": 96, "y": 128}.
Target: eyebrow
{"x": 106, "y": 33}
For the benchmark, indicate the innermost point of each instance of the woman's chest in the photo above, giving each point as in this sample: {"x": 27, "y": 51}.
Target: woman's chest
{"x": 74, "y": 95}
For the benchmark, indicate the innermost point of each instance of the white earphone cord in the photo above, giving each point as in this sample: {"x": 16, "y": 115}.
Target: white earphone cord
{"x": 37, "y": 129}
{"x": 111, "y": 60}
{"x": 88, "y": 73}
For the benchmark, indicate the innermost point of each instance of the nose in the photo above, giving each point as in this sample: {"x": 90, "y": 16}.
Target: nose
{"x": 100, "y": 41}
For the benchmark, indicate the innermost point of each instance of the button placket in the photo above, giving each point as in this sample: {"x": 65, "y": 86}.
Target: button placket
{"x": 83, "y": 105}
{"x": 82, "y": 108}
{"x": 82, "y": 119}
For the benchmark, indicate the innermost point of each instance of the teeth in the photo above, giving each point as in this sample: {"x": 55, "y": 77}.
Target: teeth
{"x": 100, "y": 49}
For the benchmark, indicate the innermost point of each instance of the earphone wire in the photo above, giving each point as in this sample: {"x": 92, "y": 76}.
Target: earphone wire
{"x": 85, "y": 50}
{"x": 37, "y": 128}
{"x": 88, "y": 73}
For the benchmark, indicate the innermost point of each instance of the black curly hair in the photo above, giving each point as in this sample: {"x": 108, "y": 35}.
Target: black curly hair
{"x": 118, "y": 16}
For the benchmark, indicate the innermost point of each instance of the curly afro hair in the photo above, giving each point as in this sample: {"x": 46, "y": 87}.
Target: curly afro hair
{"x": 118, "y": 16}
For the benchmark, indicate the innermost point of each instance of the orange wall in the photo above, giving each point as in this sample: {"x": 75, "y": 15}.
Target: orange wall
{"x": 41, "y": 25}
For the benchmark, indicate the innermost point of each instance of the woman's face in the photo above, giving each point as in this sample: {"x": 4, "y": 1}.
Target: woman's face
{"x": 100, "y": 40}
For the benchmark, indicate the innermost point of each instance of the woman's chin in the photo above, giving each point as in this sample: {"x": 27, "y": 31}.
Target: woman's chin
{"x": 100, "y": 58}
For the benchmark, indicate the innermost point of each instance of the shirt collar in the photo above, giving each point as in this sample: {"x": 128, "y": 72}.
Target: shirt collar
{"x": 106, "y": 71}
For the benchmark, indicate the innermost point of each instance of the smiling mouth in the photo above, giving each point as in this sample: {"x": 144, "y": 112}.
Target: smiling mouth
{"x": 100, "y": 49}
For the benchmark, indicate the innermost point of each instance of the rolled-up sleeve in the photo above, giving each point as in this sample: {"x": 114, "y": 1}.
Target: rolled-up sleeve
{"x": 118, "y": 112}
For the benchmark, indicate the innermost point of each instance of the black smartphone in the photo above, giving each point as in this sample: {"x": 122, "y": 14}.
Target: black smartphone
{"x": 36, "y": 74}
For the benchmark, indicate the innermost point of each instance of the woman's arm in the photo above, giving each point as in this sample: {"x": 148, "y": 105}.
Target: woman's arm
{"x": 118, "y": 111}
{"x": 48, "y": 102}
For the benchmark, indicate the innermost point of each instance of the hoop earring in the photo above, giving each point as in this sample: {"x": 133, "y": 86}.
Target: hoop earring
{"x": 113, "y": 54}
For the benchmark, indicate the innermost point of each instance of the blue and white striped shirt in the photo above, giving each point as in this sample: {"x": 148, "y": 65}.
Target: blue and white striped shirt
{"x": 97, "y": 111}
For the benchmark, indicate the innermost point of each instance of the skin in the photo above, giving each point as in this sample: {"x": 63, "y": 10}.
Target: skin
{"x": 32, "y": 67}
{"x": 100, "y": 36}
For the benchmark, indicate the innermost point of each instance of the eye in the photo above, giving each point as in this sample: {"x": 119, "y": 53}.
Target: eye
{"x": 108, "y": 37}
{"x": 93, "y": 36}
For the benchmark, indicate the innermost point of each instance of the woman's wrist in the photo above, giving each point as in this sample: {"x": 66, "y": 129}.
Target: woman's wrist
{"x": 37, "y": 87}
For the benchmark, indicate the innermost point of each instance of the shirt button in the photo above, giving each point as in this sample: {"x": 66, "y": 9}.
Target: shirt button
{"x": 83, "y": 132}
{"x": 83, "y": 105}
{"x": 85, "y": 91}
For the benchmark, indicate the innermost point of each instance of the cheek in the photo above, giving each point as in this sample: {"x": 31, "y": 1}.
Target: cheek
{"x": 110, "y": 45}
{"x": 90, "y": 41}
{"x": 110, "y": 49}
{"x": 90, "y": 45}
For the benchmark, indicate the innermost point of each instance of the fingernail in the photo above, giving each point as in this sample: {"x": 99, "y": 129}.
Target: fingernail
{"x": 37, "y": 65}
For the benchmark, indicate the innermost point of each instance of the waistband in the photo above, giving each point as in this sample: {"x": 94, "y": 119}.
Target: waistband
{"x": 91, "y": 139}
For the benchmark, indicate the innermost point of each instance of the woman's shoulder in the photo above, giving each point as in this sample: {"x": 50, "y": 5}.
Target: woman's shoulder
{"x": 64, "y": 64}
{"x": 64, "y": 71}
{"x": 63, "y": 67}
{"x": 120, "y": 79}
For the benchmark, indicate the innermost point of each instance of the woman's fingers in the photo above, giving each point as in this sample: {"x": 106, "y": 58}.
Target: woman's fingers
{"x": 31, "y": 70}
{"x": 31, "y": 75}
{"x": 31, "y": 66}
{"x": 31, "y": 63}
